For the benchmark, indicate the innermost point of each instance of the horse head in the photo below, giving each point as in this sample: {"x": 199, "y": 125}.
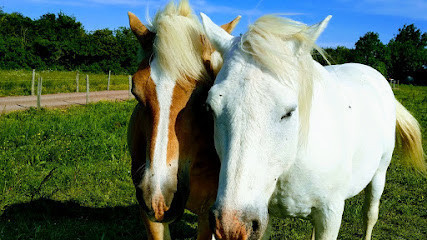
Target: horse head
{"x": 260, "y": 117}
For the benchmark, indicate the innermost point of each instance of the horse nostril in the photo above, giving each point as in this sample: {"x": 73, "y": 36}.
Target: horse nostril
{"x": 255, "y": 225}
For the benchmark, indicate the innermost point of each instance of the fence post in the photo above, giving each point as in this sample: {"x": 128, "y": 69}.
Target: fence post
{"x": 87, "y": 89}
{"x": 108, "y": 85}
{"x": 32, "y": 82}
{"x": 130, "y": 86}
{"x": 77, "y": 81}
{"x": 39, "y": 92}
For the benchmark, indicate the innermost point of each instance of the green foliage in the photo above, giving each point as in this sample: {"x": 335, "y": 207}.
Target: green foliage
{"x": 371, "y": 51}
{"x": 65, "y": 174}
{"x": 338, "y": 55}
{"x": 405, "y": 55}
{"x": 409, "y": 53}
{"x": 59, "y": 42}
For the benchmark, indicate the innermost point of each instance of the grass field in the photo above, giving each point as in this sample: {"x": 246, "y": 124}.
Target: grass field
{"x": 18, "y": 82}
{"x": 64, "y": 174}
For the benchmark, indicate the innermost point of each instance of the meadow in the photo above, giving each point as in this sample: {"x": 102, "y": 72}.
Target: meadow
{"x": 65, "y": 174}
{"x": 18, "y": 82}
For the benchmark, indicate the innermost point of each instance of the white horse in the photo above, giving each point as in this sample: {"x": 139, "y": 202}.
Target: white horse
{"x": 296, "y": 138}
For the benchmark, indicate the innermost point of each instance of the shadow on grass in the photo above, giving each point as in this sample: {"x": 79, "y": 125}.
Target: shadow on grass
{"x": 49, "y": 219}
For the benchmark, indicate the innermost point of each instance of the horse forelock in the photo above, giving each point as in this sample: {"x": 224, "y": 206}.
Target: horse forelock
{"x": 178, "y": 44}
{"x": 267, "y": 41}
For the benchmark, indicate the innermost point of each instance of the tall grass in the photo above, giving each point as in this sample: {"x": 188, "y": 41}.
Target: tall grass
{"x": 18, "y": 82}
{"x": 64, "y": 174}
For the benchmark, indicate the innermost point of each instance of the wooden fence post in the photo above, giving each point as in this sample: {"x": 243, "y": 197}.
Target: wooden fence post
{"x": 87, "y": 89}
{"x": 109, "y": 76}
{"x": 130, "y": 86}
{"x": 32, "y": 82}
{"x": 77, "y": 81}
{"x": 39, "y": 92}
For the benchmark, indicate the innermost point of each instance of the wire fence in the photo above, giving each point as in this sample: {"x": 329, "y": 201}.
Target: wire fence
{"x": 24, "y": 82}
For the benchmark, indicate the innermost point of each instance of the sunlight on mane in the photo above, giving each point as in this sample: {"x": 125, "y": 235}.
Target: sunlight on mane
{"x": 178, "y": 45}
{"x": 266, "y": 40}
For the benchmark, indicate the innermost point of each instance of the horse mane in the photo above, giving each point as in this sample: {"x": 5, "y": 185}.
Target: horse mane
{"x": 177, "y": 45}
{"x": 265, "y": 41}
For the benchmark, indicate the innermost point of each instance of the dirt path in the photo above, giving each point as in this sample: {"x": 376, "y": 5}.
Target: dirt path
{"x": 9, "y": 104}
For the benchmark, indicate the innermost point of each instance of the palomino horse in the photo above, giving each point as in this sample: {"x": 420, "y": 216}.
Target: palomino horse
{"x": 170, "y": 136}
{"x": 296, "y": 138}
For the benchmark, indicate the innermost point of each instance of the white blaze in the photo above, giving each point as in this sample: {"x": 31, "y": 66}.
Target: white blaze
{"x": 164, "y": 90}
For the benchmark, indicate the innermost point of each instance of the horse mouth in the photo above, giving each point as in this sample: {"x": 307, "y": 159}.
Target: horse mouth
{"x": 175, "y": 211}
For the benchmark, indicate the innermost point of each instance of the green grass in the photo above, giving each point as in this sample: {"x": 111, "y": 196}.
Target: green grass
{"x": 18, "y": 82}
{"x": 64, "y": 174}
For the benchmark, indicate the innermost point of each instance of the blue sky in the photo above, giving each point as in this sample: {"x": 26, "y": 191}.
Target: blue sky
{"x": 351, "y": 18}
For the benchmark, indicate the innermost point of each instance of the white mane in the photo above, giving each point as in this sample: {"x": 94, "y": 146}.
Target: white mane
{"x": 266, "y": 42}
{"x": 177, "y": 44}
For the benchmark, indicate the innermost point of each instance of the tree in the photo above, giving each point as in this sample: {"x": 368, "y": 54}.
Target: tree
{"x": 408, "y": 53}
{"x": 371, "y": 51}
{"x": 59, "y": 41}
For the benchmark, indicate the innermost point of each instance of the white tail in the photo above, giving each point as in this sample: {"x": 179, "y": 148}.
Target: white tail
{"x": 409, "y": 134}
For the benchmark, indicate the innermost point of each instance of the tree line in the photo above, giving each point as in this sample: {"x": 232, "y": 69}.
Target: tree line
{"x": 60, "y": 42}
{"x": 404, "y": 58}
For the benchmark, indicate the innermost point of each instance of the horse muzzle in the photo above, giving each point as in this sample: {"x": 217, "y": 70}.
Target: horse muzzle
{"x": 235, "y": 225}
{"x": 159, "y": 210}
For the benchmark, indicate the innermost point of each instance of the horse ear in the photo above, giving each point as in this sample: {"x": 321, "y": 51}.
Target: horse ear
{"x": 141, "y": 32}
{"x": 229, "y": 27}
{"x": 219, "y": 38}
{"x": 214, "y": 62}
{"x": 317, "y": 29}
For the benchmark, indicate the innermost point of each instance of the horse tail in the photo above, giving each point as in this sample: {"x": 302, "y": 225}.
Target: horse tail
{"x": 408, "y": 136}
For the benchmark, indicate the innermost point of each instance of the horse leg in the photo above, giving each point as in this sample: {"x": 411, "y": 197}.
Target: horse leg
{"x": 373, "y": 194}
{"x": 203, "y": 230}
{"x": 155, "y": 231}
{"x": 327, "y": 221}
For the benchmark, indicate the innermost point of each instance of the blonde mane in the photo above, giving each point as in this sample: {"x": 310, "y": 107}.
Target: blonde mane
{"x": 266, "y": 42}
{"x": 177, "y": 44}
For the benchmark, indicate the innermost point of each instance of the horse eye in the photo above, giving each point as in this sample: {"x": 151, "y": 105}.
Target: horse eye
{"x": 287, "y": 115}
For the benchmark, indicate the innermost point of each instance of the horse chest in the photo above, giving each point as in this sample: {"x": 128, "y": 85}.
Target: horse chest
{"x": 291, "y": 200}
